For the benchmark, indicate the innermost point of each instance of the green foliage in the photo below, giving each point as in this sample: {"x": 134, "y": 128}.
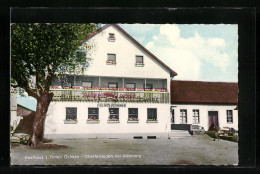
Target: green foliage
{"x": 43, "y": 50}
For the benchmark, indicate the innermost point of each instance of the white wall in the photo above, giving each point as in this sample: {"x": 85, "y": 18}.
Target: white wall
{"x": 14, "y": 119}
{"x": 203, "y": 111}
{"x": 57, "y": 113}
{"x": 125, "y": 51}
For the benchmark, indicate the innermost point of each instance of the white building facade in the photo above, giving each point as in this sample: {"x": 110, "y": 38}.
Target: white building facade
{"x": 128, "y": 92}
{"x": 203, "y": 103}
{"x": 124, "y": 92}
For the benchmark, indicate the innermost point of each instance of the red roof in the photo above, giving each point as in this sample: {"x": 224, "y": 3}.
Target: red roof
{"x": 173, "y": 73}
{"x": 198, "y": 92}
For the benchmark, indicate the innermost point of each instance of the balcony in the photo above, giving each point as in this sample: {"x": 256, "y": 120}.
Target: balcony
{"x": 111, "y": 95}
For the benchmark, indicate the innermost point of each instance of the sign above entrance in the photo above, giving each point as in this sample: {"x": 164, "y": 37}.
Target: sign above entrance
{"x": 111, "y": 105}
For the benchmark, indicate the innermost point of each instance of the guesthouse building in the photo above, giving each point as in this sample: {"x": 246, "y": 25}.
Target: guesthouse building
{"x": 125, "y": 91}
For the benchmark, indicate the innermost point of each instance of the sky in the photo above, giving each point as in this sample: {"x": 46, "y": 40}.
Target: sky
{"x": 196, "y": 52}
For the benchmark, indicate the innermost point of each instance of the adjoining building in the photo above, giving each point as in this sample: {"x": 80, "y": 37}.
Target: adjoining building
{"x": 203, "y": 103}
{"x": 124, "y": 92}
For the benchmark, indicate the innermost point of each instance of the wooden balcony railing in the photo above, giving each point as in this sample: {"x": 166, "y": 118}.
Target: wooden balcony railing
{"x": 110, "y": 96}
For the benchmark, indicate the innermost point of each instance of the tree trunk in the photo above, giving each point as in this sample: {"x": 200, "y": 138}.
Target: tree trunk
{"x": 39, "y": 120}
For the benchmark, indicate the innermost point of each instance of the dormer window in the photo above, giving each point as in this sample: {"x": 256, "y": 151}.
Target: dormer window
{"x": 139, "y": 61}
{"x": 111, "y": 59}
{"x": 111, "y": 37}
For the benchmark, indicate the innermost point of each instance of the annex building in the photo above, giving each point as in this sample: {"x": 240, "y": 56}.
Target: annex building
{"x": 126, "y": 91}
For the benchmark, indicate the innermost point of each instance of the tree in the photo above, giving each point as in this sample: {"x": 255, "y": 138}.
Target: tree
{"x": 39, "y": 52}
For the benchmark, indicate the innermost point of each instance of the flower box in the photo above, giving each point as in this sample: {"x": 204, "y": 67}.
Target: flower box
{"x": 139, "y": 89}
{"x": 121, "y": 89}
{"x": 160, "y": 89}
{"x": 69, "y": 121}
{"x": 112, "y": 88}
{"x": 76, "y": 87}
{"x": 148, "y": 89}
{"x": 112, "y": 120}
{"x": 93, "y": 121}
{"x": 111, "y": 39}
{"x": 139, "y": 64}
{"x": 103, "y": 88}
{"x": 111, "y": 62}
{"x": 151, "y": 121}
{"x": 130, "y": 89}
{"x": 66, "y": 87}
{"x": 54, "y": 87}
{"x": 132, "y": 120}
{"x": 87, "y": 88}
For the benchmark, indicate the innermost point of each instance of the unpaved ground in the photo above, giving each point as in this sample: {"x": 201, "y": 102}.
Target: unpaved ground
{"x": 199, "y": 150}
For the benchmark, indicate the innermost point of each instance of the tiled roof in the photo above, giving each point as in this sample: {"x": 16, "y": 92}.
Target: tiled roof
{"x": 198, "y": 92}
{"x": 173, "y": 73}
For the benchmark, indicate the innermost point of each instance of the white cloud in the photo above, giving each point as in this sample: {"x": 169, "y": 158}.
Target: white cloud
{"x": 187, "y": 54}
{"x": 172, "y": 32}
{"x": 217, "y": 42}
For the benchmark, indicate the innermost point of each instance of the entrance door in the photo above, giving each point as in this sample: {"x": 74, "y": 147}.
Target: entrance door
{"x": 172, "y": 119}
{"x": 213, "y": 118}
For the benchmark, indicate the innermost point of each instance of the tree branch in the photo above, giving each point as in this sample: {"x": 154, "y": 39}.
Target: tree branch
{"x": 31, "y": 92}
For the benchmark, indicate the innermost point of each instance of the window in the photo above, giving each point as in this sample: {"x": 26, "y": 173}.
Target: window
{"x": 92, "y": 114}
{"x": 196, "y": 116}
{"x": 172, "y": 116}
{"x": 111, "y": 37}
{"x": 132, "y": 114}
{"x": 148, "y": 87}
{"x": 111, "y": 59}
{"x": 139, "y": 61}
{"x": 87, "y": 84}
{"x": 71, "y": 114}
{"x": 113, "y": 114}
{"x": 183, "y": 116}
{"x": 112, "y": 85}
{"x": 130, "y": 86}
{"x": 151, "y": 114}
{"x": 229, "y": 116}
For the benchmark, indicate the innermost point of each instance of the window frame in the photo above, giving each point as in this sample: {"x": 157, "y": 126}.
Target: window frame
{"x": 69, "y": 120}
{"x": 109, "y": 83}
{"x": 172, "y": 115}
{"x": 147, "y": 84}
{"x": 181, "y": 116}
{"x": 152, "y": 119}
{"x": 111, "y": 38}
{"x": 109, "y": 61}
{"x": 137, "y": 57}
{"x": 229, "y": 116}
{"x": 195, "y": 121}
{"x": 131, "y": 88}
{"x": 110, "y": 118}
{"x": 131, "y": 115}
{"x": 137, "y": 63}
{"x": 109, "y": 35}
{"x": 95, "y": 115}
{"x": 87, "y": 82}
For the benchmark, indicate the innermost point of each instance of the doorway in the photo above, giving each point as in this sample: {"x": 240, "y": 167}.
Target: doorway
{"x": 213, "y": 118}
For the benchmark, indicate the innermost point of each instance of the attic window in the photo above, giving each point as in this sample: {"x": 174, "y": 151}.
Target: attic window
{"x": 111, "y": 37}
{"x": 139, "y": 61}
